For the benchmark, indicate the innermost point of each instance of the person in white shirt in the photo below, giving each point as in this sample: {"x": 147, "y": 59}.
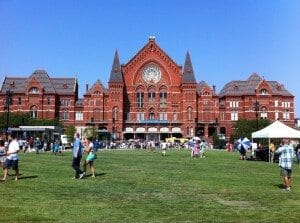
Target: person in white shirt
{"x": 12, "y": 158}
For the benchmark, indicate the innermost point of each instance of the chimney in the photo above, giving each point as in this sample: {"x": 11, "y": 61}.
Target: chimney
{"x": 87, "y": 87}
{"x": 214, "y": 88}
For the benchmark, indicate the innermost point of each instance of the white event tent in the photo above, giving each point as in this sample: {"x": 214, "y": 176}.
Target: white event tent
{"x": 276, "y": 130}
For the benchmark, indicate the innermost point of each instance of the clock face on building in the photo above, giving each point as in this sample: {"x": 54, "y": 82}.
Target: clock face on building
{"x": 151, "y": 74}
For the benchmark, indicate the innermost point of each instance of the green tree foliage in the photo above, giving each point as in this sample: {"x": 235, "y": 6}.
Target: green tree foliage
{"x": 244, "y": 128}
{"x": 91, "y": 132}
{"x": 70, "y": 131}
{"x": 23, "y": 118}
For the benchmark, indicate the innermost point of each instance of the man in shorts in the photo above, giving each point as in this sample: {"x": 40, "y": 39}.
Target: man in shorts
{"x": 12, "y": 158}
{"x": 286, "y": 157}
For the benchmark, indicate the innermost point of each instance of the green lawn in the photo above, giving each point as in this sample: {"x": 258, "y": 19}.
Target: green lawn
{"x": 143, "y": 186}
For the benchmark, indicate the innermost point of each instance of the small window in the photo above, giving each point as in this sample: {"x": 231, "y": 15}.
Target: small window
{"x": 34, "y": 90}
{"x": 48, "y": 100}
{"x": 19, "y": 100}
{"x": 33, "y": 112}
{"x": 264, "y": 92}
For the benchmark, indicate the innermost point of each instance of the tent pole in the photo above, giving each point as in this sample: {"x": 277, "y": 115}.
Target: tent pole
{"x": 269, "y": 151}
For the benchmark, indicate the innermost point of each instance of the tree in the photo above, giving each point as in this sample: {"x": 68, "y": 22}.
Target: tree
{"x": 91, "y": 132}
{"x": 23, "y": 118}
{"x": 70, "y": 131}
{"x": 244, "y": 128}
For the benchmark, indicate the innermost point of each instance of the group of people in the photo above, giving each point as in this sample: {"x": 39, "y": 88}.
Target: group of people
{"x": 9, "y": 157}
{"x": 198, "y": 150}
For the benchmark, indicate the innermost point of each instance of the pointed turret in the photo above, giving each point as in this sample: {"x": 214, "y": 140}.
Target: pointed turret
{"x": 116, "y": 73}
{"x": 188, "y": 72}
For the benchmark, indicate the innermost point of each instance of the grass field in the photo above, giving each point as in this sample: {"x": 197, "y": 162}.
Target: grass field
{"x": 143, "y": 186}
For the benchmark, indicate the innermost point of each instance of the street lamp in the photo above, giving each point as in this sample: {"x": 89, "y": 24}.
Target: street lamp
{"x": 256, "y": 109}
{"x": 8, "y": 102}
{"x": 113, "y": 130}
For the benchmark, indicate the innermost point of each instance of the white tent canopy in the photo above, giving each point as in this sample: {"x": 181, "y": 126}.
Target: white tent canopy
{"x": 276, "y": 130}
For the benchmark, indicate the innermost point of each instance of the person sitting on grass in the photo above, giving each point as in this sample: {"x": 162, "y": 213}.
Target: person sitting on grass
{"x": 89, "y": 149}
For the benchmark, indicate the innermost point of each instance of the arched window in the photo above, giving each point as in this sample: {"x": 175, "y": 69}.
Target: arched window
{"x": 140, "y": 99}
{"x": 33, "y": 112}
{"x": 151, "y": 114}
{"x": 34, "y": 90}
{"x": 151, "y": 96}
{"x": 115, "y": 113}
{"x": 264, "y": 92}
{"x": 190, "y": 113}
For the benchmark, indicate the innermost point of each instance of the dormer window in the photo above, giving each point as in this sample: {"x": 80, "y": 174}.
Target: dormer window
{"x": 34, "y": 90}
{"x": 12, "y": 84}
{"x": 264, "y": 92}
{"x": 65, "y": 86}
{"x": 278, "y": 87}
{"x": 235, "y": 88}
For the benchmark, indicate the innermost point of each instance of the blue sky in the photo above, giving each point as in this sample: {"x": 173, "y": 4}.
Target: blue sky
{"x": 227, "y": 39}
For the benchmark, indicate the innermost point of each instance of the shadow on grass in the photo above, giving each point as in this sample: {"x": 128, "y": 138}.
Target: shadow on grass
{"x": 27, "y": 177}
{"x": 97, "y": 174}
{"x": 280, "y": 186}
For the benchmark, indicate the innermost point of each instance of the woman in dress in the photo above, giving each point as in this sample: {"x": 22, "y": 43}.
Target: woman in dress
{"x": 89, "y": 149}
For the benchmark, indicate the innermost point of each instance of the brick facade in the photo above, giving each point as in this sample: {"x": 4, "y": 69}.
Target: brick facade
{"x": 150, "y": 97}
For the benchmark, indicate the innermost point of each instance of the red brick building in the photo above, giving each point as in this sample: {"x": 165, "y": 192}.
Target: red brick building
{"x": 42, "y": 96}
{"x": 255, "y": 96}
{"x": 149, "y": 97}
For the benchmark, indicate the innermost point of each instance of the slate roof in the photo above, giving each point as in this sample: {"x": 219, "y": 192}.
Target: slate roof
{"x": 202, "y": 85}
{"x": 188, "y": 71}
{"x": 116, "y": 72}
{"x": 51, "y": 85}
{"x": 248, "y": 87}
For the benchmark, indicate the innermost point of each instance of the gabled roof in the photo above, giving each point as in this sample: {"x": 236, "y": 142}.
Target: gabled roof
{"x": 91, "y": 89}
{"x": 188, "y": 71}
{"x": 249, "y": 87}
{"x": 151, "y": 45}
{"x": 202, "y": 85}
{"x": 44, "y": 79}
{"x": 50, "y": 85}
{"x": 116, "y": 72}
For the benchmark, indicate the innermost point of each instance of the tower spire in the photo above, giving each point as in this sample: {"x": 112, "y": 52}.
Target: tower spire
{"x": 116, "y": 73}
{"x": 188, "y": 72}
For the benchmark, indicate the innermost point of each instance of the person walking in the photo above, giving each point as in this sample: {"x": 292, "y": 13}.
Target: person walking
{"x": 89, "y": 149}
{"x": 12, "y": 158}
{"x": 272, "y": 151}
{"x": 77, "y": 154}
{"x": 286, "y": 157}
